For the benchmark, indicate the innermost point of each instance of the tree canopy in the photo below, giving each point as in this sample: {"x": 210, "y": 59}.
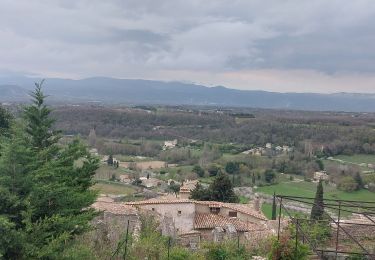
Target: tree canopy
{"x": 317, "y": 210}
{"x": 221, "y": 189}
{"x": 44, "y": 187}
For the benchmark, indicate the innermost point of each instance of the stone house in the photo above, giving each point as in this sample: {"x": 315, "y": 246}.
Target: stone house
{"x": 150, "y": 182}
{"x": 321, "y": 175}
{"x": 207, "y": 220}
{"x": 186, "y": 188}
{"x": 112, "y": 221}
{"x": 169, "y": 144}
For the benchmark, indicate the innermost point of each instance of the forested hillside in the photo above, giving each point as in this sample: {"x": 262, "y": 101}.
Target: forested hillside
{"x": 339, "y": 133}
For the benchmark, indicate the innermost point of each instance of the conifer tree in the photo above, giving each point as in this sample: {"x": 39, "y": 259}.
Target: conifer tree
{"x": 358, "y": 179}
{"x": 44, "y": 193}
{"x": 317, "y": 210}
{"x": 5, "y": 120}
{"x": 222, "y": 189}
{"x": 274, "y": 207}
{"x": 110, "y": 160}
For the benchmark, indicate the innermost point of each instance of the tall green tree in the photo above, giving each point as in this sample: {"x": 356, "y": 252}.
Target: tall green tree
{"x": 317, "y": 210}
{"x": 232, "y": 167}
{"x": 221, "y": 189}
{"x": 198, "y": 170}
{"x": 44, "y": 188}
{"x": 110, "y": 160}
{"x": 200, "y": 193}
{"x": 274, "y": 207}
{"x": 5, "y": 120}
{"x": 358, "y": 179}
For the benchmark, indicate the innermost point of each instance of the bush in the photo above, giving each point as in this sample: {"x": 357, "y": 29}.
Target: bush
{"x": 284, "y": 249}
{"x": 198, "y": 170}
{"x": 179, "y": 253}
{"x": 348, "y": 184}
{"x": 225, "y": 250}
{"x": 213, "y": 170}
{"x": 269, "y": 176}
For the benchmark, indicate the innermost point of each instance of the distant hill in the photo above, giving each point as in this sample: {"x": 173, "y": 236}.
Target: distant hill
{"x": 134, "y": 91}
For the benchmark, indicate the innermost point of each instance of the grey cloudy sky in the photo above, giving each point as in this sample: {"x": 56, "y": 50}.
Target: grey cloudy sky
{"x": 304, "y": 46}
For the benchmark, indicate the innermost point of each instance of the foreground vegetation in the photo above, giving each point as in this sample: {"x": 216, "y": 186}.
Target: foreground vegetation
{"x": 44, "y": 195}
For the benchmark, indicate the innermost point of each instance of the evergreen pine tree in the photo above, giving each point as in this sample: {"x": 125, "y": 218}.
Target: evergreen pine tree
{"x": 358, "y": 179}
{"x": 253, "y": 178}
{"x": 200, "y": 193}
{"x": 221, "y": 189}
{"x": 5, "y": 120}
{"x": 110, "y": 160}
{"x": 44, "y": 194}
{"x": 274, "y": 207}
{"x": 317, "y": 210}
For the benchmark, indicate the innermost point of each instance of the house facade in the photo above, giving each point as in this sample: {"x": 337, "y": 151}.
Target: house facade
{"x": 207, "y": 219}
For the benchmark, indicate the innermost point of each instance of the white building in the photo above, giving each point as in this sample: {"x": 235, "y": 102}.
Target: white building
{"x": 170, "y": 144}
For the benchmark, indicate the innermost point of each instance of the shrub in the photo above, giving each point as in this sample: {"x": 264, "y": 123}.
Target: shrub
{"x": 285, "y": 249}
{"x": 213, "y": 170}
{"x": 348, "y": 184}
{"x": 198, "y": 170}
{"x": 225, "y": 250}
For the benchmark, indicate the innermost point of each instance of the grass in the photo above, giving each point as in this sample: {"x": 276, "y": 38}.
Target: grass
{"x": 179, "y": 173}
{"x": 267, "y": 211}
{"x": 107, "y": 187}
{"x": 357, "y": 158}
{"x": 308, "y": 189}
{"x": 244, "y": 200}
{"x": 105, "y": 172}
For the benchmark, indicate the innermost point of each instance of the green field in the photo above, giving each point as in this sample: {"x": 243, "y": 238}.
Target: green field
{"x": 308, "y": 189}
{"x": 267, "y": 211}
{"x": 105, "y": 172}
{"x": 357, "y": 158}
{"x": 114, "y": 188}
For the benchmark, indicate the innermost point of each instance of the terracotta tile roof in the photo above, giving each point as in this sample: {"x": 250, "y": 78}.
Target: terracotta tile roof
{"x": 115, "y": 208}
{"x": 243, "y": 208}
{"x": 158, "y": 201}
{"x": 189, "y": 185}
{"x": 210, "y": 221}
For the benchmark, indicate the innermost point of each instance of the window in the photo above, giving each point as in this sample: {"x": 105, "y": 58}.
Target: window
{"x": 233, "y": 214}
{"x": 153, "y": 209}
{"x": 179, "y": 212}
{"x": 214, "y": 210}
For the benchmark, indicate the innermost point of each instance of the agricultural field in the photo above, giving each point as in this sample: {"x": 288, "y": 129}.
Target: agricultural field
{"x": 267, "y": 211}
{"x": 106, "y": 172}
{"x": 108, "y": 187}
{"x": 308, "y": 189}
{"x": 357, "y": 158}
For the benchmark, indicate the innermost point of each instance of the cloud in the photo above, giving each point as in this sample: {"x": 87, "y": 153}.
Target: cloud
{"x": 184, "y": 40}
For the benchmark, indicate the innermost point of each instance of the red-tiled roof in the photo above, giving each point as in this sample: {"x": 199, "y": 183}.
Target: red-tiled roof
{"x": 159, "y": 201}
{"x": 210, "y": 221}
{"x": 245, "y": 209}
{"x": 115, "y": 208}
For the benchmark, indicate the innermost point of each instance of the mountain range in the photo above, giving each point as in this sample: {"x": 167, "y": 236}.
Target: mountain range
{"x": 136, "y": 91}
